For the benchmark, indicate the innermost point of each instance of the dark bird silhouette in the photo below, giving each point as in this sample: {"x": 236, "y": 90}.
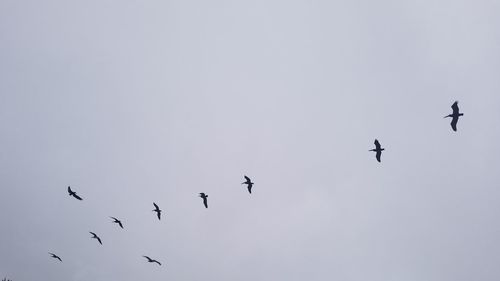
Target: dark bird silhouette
{"x": 72, "y": 193}
{"x": 96, "y": 237}
{"x": 204, "y": 196}
{"x": 55, "y": 256}
{"x": 454, "y": 116}
{"x": 378, "y": 150}
{"x": 119, "y": 222}
{"x": 152, "y": 260}
{"x": 249, "y": 184}
{"x": 157, "y": 210}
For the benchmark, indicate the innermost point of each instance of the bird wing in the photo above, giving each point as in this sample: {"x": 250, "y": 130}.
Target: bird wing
{"x": 377, "y": 144}
{"x": 157, "y": 262}
{"x": 159, "y": 215}
{"x": 454, "y": 106}
{"x": 247, "y": 178}
{"x": 69, "y": 190}
{"x": 115, "y": 219}
{"x": 205, "y": 202}
{"x": 249, "y": 188}
{"x": 120, "y": 224}
{"x": 76, "y": 196}
{"x": 378, "y": 155}
{"x": 454, "y": 123}
{"x": 93, "y": 234}
{"x": 99, "y": 239}
{"x": 156, "y": 206}
{"x": 147, "y": 258}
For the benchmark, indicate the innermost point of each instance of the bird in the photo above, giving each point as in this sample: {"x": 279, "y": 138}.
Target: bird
{"x": 72, "y": 193}
{"x": 454, "y": 116}
{"x": 157, "y": 210}
{"x": 96, "y": 237}
{"x": 152, "y": 260}
{"x": 204, "y": 196}
{"x": 377, "y": 149}
{"x": 249, "y": 184}
{"x": 55, "y": 256}
{"x": 119, "y": 222}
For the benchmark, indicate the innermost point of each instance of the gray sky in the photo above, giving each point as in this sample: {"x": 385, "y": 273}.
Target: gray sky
{"x": 131, "y": 102}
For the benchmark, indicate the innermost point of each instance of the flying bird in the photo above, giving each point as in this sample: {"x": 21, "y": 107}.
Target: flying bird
{"x": 378, "y": 150}
{"x": 96, "y": 237}
{"x": 119, "y": 222}
{"x": 204, "y": 196}
{"x": 152, "y": 260}
{"x": 249, "y": 184}
{"x": 55, "y": 256}
{"x": 72, "y": 193}
{"x": 157, "y": 210}
{"x": 454, "y": 116}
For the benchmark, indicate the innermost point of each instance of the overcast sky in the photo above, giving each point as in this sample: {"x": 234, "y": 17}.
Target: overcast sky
{"x": 131, "y": 102}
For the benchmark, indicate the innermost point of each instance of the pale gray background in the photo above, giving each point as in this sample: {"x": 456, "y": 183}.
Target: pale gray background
{"x": 132, "y": 102}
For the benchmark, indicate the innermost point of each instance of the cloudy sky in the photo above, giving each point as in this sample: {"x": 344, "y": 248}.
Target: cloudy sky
{"x": 131, "y": 102}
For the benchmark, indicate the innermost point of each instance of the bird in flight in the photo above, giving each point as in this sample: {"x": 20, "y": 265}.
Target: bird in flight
{"x": 157, "y": 210}
{"x": 378, "y": 150}
{"x": 204, "y": 196}
{"x": 454, "y": 116}
{"x": 152, "y": 260}
{"x": 249, "y": 184}
{"x": 72, "y": 193}
{"x": 96, "y": 237}
{"x": 119, "y": 222}
{"x": 55, "y": 256}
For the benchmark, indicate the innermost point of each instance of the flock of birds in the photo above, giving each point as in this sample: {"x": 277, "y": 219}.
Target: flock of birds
{"x": 248, "y": 182}
{"x": 156, "y": 209}
{"x": 454, "y": 120}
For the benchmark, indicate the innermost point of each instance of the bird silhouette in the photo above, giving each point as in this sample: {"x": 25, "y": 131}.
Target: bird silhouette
{"x": 378, "y": 150}
{"x": 55, "y": 256}
{"x": 249, "y": 184}
{"x": 96, "y": 237}
{"x": 157, "y": 210}
{"x": 119, "y": 222}
{"x": 454, "y": 116}
{"x": 72, "y": 193}
{"x": 152, "y": 260}
{"x": 204, "y": 196}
